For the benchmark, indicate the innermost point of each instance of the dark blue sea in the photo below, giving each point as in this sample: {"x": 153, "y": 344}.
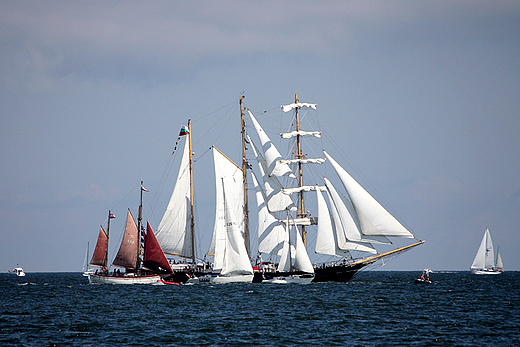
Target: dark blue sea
{"x": 376, "y": 308}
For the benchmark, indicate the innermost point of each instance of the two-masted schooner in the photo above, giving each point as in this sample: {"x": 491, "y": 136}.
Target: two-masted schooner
{"x": 147, "y": 270}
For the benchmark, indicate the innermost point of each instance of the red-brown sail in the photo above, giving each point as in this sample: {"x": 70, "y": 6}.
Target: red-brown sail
{"x": 99, "y": 258}
{"x": 127, "y": 255}
{"x": 154, "y": 257}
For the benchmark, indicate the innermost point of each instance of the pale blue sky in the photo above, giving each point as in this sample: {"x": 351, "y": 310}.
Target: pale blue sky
{"x": 422, "y": 97}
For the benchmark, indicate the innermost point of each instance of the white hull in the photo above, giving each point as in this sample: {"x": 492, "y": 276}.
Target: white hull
{"x": 485, "y": 272}
{"x": 100, "y": 279}
{"x": 18, "y": 271}
{"x": 222, "y": 279}
{"x": 290, "y": 279}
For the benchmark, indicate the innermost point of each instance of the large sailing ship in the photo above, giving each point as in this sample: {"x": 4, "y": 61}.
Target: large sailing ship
{"x": 147, "y": 270}
{"x": 351, "y": 222}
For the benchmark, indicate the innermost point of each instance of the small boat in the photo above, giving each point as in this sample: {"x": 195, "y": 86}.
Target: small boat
{"x": 86, "y": 269}
{"x": 484, "y": 262}
{"x": 18, "y": 271}
{"x": 425, "y": 277}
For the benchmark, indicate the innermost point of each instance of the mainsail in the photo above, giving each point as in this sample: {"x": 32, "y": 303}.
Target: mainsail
{"x": 127, "y": 255}
{"x": 228, "y": 244}
{"x": 174, "y": 231}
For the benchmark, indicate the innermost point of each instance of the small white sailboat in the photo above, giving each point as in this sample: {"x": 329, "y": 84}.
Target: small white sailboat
{"x": 484, "y": 262}
{"x": 86, "y": 269}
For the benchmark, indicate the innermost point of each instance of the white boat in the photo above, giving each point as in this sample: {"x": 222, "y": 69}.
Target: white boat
{"x": 18, "y": 271}
{"x": 354, "y": 222}
{"x": 86, "y": 269}
{"x": 484, "y": 262}
{"x": 176, "y": 231}
{"x": 231, "y": 260}
{"x": 147, "y": 271}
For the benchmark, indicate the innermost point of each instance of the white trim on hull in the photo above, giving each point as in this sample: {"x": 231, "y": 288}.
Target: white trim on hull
{"x": 290, "y": 279}
{"x": 222, "y": 279}
{"x": 100, "y": 279}
{"x": 485, "y": 272}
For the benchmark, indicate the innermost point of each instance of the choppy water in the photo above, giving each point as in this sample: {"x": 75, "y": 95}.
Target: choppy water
{"x": 374, "y": 309}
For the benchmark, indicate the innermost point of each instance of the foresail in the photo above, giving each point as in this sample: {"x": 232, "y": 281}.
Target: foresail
{"x": 99, "y": 258}
{"x": 301, "y": 258}
{"x": 271, "y": 154}
{"x": 270, "y": 231}
{"x": 499, "y": 265}
{"x": 480, "y": 258}
{"x": 276, "y": 199}
{"x": 174, "y": 234}
{"x": 325, "y": 236}
{"x": 373, "y": 218}
{"x": 154, "y": 258}
{"x": 349, "y": 219}
{"x": 127, "y": 255}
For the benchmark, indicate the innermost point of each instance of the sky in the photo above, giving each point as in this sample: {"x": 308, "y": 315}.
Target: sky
{"x": 421, "y": 98}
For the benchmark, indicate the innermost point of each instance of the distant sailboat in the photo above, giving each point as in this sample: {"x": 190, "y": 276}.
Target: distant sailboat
{"x": 484, "y": 262}
{"x": 86, "y": 270}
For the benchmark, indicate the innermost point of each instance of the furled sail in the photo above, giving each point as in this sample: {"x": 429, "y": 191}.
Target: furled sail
{"x": 301, "y": 133}
{"x": 174, "y": 234}
{"x": 270, "y": 231}
{"x": 271, "y": 154}
{"x": 154, "y": 258}
{"x": 373, "y": 218}
{"x": 228, "y": 245}
{"x": 127, "y": 255}
{"x": 287, "y": 108}
{"x": 485, "y": 258}
{"x": 276, "y": 199}
{"x": 99, "y": 258}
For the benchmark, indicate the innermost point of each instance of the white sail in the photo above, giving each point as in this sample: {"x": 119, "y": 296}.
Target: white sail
{"x": 326, "y": 240}
{"x": 349, "y": 219}
{"x": 230, "y": 254}
{"x": 271, "y": 154}
{"x": 301, "y": 258}
{"x": 173, "y": 233}
{"x": 303, "y": 161}
{"x": 499, "y": 265}
{"x": 373, "y": 218}
{"x": 289, "y": 191}
{"x": 294, "y": 257}
{"x": 271, "y": 232}
{"x": 485, "y": 257}
{"x": 341, "y": 235}
{"x": 276, "y": 199}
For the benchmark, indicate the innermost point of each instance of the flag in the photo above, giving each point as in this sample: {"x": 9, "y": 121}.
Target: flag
{"x": 144, "y": 189}
{"x": 247, "y": 163}
{"x": 112, "y": 215}
{"x": 184, "y": 131}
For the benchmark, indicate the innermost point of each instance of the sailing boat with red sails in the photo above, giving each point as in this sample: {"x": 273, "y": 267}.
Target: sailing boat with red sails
{"x": 145, "y": 271}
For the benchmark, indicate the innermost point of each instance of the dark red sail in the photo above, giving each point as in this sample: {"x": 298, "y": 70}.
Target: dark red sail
{"x": 154, "y": 257}
{"x": 99, "y": 258}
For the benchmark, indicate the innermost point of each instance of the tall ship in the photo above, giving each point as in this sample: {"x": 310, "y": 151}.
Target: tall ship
{"x": 349, "y": 221}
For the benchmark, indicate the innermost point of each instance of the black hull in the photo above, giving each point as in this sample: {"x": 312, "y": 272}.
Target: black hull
{"x": 337, "y": 273}
{"x": 184, "y": 276}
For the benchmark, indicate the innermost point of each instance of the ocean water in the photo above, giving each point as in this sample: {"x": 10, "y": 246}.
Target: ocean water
{"x": 376, "y": 308}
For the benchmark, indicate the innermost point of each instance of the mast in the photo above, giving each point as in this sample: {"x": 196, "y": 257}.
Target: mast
{"x": 244, "y": 175}
{"x": 139, "y": 231}
{"x": 192, "y": 221}
{"x": 299, "y": 156}
{"x": 108, "y": 233}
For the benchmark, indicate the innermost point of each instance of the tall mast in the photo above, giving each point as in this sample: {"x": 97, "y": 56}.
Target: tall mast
{"x": 139, "y": 223}
{"x": 299, "y": 155}
{"x": 108, "y": 232}
{"x": 244, "y": 173}
{"x": 192, "y": 221}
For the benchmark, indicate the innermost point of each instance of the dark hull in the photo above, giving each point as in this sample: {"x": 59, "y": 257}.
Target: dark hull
{"x": 184, "y": 276}
{"x": 337, "y": 273}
